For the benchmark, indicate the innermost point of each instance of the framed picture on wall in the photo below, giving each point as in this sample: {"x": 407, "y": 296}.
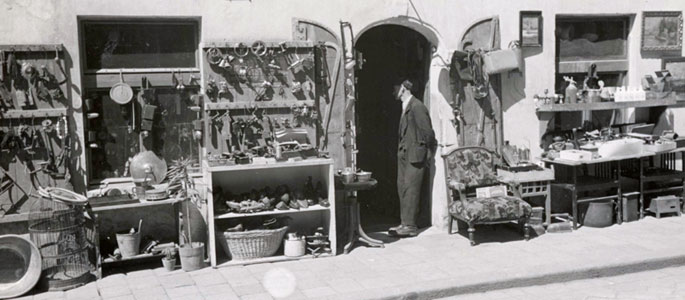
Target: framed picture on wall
{"x": 662, "y": 31}
{"x": 530, "y": 31}
{"x": 675, "y": 66}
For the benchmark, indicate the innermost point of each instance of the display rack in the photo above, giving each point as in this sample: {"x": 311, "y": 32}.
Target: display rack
{"x": 258, "y": 86}
{"x": 241, "y": 178}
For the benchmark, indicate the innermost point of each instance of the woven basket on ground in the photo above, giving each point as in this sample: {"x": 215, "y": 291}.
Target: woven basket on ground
{"x": 254, "y": 243}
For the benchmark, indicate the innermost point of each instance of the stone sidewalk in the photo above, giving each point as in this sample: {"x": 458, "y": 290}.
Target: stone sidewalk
{"x": 432, "y": 265}
{"x": 662, "y": 284}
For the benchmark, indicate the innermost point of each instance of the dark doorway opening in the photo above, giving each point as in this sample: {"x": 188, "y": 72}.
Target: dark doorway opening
{"x": 391, "y": 53}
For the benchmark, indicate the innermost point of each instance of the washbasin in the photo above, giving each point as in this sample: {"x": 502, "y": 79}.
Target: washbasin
{"x": 622, "y": 147}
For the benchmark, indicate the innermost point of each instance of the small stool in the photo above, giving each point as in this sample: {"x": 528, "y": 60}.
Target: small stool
{"x": 665, "y": 204}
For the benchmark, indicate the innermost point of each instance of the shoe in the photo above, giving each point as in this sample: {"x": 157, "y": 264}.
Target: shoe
{"x": 406, "y": 231}
{"x": 393, "y": 230}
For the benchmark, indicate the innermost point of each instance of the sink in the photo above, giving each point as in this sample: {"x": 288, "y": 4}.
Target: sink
{"x": 622, "y": 147}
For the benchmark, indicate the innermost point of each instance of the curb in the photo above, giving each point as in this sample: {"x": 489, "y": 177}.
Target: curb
{"x": 452, "y": 287}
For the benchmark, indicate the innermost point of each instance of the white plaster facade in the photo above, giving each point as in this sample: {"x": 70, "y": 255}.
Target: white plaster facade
{"x": 442, "y": 21}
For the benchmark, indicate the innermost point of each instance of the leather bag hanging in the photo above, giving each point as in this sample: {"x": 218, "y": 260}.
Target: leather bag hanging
{"x": 504, "y": 60}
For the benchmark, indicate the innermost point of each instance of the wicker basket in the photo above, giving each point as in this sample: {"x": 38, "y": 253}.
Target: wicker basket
{"x": 254, "y": 243}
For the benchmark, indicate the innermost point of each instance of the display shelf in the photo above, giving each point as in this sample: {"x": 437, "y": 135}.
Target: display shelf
{"x": 565, "y": 107}
{"x": 270, "y": 259}
{"x": 285, "y": 164}
{"x": 241, "y": 178}
{"x": 137, "y": 258}
{"x": 31, "y": 47}
{"x": 268, "y": 44}
{"x": 258, "y": 104}
{"x": 271, "y": 212}
{"x": 134, "y": 205}
{"x": 34, "y": 113}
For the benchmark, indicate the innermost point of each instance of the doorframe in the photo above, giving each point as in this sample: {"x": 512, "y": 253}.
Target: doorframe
{"x": 426, "y": 30}
{"x": 433, "y": 192}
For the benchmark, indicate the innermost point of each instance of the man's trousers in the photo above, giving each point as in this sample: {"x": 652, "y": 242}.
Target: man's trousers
{"x": 409, "y": 181}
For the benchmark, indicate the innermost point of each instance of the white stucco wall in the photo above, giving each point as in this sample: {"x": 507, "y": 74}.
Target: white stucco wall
{"x": 52, "y": 21}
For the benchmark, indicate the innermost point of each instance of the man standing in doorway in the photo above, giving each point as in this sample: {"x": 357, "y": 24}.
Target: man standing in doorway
{"x": 416, "y": 144}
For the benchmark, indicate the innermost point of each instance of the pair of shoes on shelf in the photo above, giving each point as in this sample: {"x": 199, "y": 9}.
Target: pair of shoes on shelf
{"x": 403, "y": 231}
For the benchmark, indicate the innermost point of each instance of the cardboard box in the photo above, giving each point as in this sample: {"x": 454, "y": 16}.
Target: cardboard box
{"x": 491, "y": 191}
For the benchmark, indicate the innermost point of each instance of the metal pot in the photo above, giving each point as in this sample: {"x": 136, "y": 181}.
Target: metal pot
{"x": 363, "y": 176}
{"x": 347, "y": 175}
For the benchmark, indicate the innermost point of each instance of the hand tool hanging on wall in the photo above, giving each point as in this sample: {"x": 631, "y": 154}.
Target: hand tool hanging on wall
{"x": 61, "y": 69}
{"x": 3, "y": 67}
{"x": 29, "y": 72}
{"x": 480, "y": 77}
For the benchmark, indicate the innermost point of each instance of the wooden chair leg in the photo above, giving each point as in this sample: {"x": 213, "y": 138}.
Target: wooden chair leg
{"x": 449, "y": 224}
{"x": 523, "y": 224}
{"x": 472, "y": 231}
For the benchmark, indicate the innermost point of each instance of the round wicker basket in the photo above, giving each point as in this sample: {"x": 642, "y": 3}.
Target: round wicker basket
{"x": 254, "y": 243}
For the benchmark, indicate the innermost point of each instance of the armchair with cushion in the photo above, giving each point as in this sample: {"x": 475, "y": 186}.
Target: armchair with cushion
{"x": 468, "y": 168}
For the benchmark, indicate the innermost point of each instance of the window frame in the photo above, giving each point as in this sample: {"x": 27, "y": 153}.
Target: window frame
{"x": 84, "y": 21}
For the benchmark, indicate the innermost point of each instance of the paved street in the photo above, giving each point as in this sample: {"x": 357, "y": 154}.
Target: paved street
{"x": 664, "y": 284}
{"x": 433, "y": 265}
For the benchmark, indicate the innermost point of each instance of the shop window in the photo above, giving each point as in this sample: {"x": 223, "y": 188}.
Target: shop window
{"x": 585, "y": 40}
{"x": 162, "y": 54}
{"x": 141, "y": 44}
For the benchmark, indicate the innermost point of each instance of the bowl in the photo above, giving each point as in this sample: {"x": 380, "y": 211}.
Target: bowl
{"x": 20, "y": 265}
{"x": 363, "y": 176}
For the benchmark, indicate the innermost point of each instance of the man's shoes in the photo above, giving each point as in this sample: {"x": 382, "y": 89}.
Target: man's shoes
{"x": 403, "y": 231}
{"x": 393, "y": 230}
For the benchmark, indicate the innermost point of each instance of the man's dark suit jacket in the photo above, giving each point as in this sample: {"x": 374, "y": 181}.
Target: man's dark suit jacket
{"x": 416, "y": 134}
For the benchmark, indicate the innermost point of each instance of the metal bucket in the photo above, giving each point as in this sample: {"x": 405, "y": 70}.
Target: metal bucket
{"x": 599, "y": 214}
{"x": 129, "y": 244}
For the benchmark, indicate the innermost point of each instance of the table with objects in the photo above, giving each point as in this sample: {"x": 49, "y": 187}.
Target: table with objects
{"x": 598, "y": 174}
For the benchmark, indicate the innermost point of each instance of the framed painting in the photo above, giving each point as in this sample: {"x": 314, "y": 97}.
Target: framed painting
{"x": 662, "y": 31}
{"x": 530, "y": 31}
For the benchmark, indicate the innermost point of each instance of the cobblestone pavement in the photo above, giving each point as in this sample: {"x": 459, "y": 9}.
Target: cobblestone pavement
{"x": 432, "y": 265}
{"x": 664, "y": 284}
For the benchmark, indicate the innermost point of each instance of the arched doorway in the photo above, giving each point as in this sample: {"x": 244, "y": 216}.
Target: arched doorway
{"x": 390, "y": 54}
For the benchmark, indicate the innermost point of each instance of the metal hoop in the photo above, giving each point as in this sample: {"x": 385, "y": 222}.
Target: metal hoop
{"x": 214, "y": 55}
{"x": 258, "y": 48}
{"x": 241, "y": 50}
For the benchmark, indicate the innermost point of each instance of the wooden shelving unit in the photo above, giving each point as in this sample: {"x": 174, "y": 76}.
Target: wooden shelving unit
{"x": 243, "y": 178}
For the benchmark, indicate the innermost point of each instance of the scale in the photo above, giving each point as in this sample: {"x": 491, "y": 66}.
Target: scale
{"x": 148, "y": 170}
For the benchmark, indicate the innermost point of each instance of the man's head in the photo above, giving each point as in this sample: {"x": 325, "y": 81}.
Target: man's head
{"x": 402, "y": 89}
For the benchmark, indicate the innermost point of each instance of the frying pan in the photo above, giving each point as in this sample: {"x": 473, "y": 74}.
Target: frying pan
{"x": 121, "y": 92}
